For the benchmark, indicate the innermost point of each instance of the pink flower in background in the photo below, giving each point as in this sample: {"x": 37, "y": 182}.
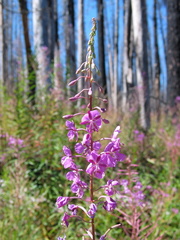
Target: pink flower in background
{"x": 15, "y": 142}
{"x": 139, "y": 136}
{"x": 177, "y": 100}
{"x": 12, "y": 141}
{"x": 61, "y": 238}
{"x": 109, "y": 187}
{"x": 175, "y": 210}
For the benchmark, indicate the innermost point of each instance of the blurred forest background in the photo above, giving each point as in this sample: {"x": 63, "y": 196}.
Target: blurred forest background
{"x": 42, "y": 43}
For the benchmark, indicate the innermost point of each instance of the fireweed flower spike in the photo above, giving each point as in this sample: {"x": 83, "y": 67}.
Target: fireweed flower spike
{"x": 95, "y": 159}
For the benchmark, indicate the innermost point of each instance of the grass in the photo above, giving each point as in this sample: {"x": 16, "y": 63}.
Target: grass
{"x": 31, "y": 178}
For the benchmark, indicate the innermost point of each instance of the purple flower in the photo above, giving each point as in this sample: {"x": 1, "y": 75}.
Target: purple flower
{"x": 177, "y": 100}
{"x": 138, "y": 186}
{"x": 73, "y": 133}
{"x": 86, "y": 139}
{"x": 109, "y": 159}
{"x": 79, "y": 187}
{"x": 110, "y": 204}
{"x": 73, "y": 176}
{"x": 12, "y": 141}
{"x": 175, "y": 210}
{"x": 79, "y": 148}
{"x": 3, "y": 157}
{"x": 109, "y": 189}
{"x": 111, "y": 153}
{"x": 68, "y": 116}
{"x": 96, "y": 145}
{"x": 124, "y": 182}
{"x": 92, "y": 210}
{"x": 60, "y": 238}
{"x": 86, "y": 144}
{"x": 20, "y": 142}
{"x": 92, "y": 120}
{"x": 139, "y": 136}
{"x": 139, "y": 195}
{"x": 73, "y": 208}
{"x": 62, "y": 201}
{"x": 115, "y": 133}
{"x": 136, "y": 132}
{"x": 103, "y": 237}
{"x": 97, "y": 165}
{"x": 65, "y": 219}
{"x": 67, "y": 160}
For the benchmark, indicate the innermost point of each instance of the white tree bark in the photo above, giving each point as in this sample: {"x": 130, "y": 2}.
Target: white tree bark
{"x": 141, "y": 61}
{"x": 56, "y": 49}
{"x": 127, "y": 72}
{"x": 69, "y": 27}
{"x": 40, "y": 27}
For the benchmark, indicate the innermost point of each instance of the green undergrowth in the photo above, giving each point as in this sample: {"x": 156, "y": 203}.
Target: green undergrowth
{"x": 31, "y": 177}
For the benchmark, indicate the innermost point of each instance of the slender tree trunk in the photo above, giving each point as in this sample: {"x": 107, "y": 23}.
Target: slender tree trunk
{"x": 173, "y": 51}
{"x": 80, "y": 41}
{"x": 140, "y": 28}
{"x": 7, "y": 47}
{"x": 1, "y": 47}
{"x": 101, "y": 49}
{"x": 52, "y": 28}
{"x": 40, "y": 26}
{"x": 127, "y": 68}
{"x": 57, "y": 65}
{"x": 116, "y": 50}
{"x": 110, "y": 59}
{"x": 29, "y": 57}
{"x": 70, "y": 41}
{"x": 156, "y": 65}
{"x": 160, "y": 17}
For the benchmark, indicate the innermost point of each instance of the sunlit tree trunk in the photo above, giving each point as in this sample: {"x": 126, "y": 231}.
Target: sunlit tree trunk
{"x": 173, "y": 51}
{"x": 69, "y": 28}
{"x": 29, "y": 57}
{"x": 45, "y": 40}
{"x": 127, "y": 68}
{"x": 139, "y": 30}
{"x": 7, "y": 46}
{"x": 57, "y": 65}
{"x": 40, "y": 26}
